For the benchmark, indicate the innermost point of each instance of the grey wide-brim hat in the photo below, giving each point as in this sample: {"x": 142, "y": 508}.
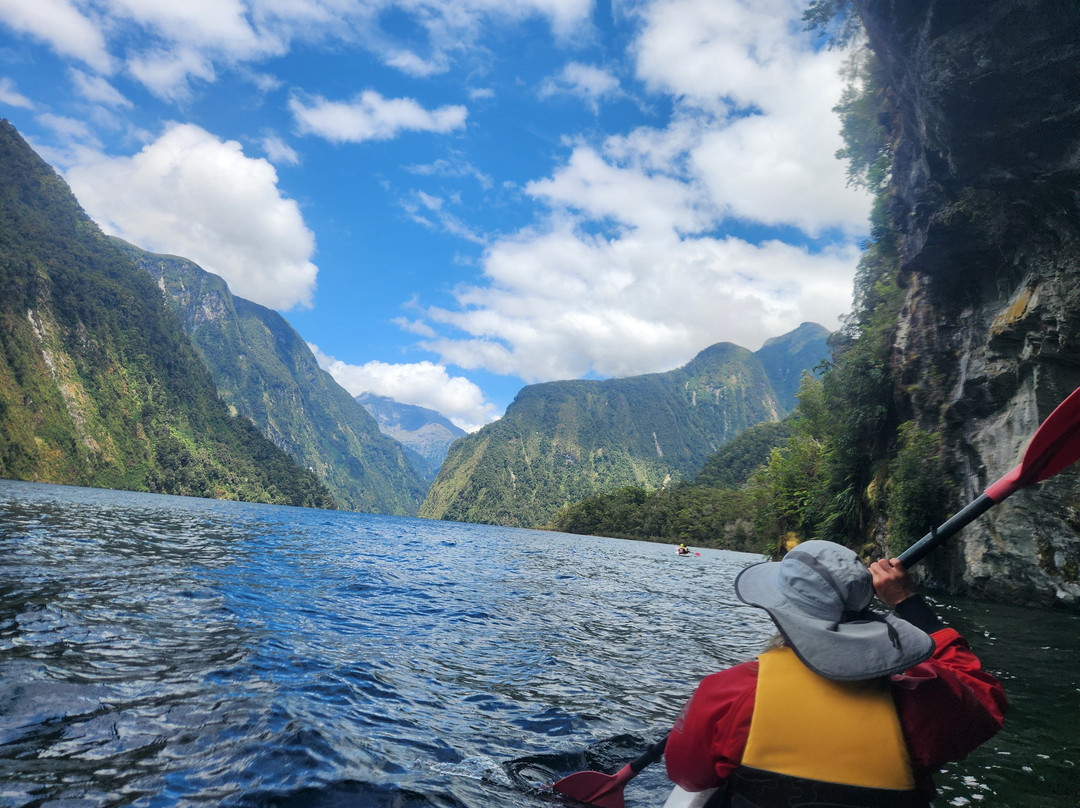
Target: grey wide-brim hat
{"x": 819, "y": 596}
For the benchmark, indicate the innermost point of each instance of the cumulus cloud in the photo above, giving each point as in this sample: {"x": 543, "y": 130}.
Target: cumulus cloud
{"x": 11, "y": 96}
{"x": 370, "y": 116}
{"x": 629, "y": 195}
{"x": 768, "y": 155}
{"x": 63, "y": 26}
{"x": 193, "y": 40}
{"x": 639, "y": 263}
{"x": 191, "y": 194}
{"x": 98, "y": 90}
{"x": 278, "y": 151}
{"x": 563, "y": 304}
{"x": 588, "y": 82}
{"x": 424, "y": 384}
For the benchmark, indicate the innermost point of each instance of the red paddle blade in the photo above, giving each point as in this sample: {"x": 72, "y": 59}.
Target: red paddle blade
{"x": 1053, "y": 447}
{"x": 595, "y": 788}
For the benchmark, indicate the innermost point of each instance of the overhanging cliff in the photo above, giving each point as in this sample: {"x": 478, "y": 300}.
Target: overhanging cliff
{"x": 985, "y": 197}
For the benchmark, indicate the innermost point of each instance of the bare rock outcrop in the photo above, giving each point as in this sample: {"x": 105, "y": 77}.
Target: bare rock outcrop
{"x": 985, "y": 195}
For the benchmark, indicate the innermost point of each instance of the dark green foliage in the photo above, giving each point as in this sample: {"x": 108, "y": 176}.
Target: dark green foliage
{"x": 834, "y": 19}
{"x": 265, "y": 371}
{"x": 732, "y": 465}
{"x": 788, "y": 357}
{"x": 96, "y": 375}
{"x": 703, "y": 517}
{"x": 917, "y": 494}
{"x": 716, "y": 509}
{"x": 864, "y": 110}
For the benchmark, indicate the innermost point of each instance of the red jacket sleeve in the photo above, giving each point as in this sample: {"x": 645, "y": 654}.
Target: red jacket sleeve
{"x": 948, "y": 705}
{"x": 707, "y": 741}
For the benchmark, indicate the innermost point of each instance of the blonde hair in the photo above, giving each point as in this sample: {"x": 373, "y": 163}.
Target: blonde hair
{"x": 777, "y": 640}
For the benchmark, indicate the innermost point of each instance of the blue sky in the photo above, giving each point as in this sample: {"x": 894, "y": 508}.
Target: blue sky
{"x": 449, "y": 199}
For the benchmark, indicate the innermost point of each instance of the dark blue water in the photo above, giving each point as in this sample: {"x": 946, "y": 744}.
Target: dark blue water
{"x": 169, "y": 651}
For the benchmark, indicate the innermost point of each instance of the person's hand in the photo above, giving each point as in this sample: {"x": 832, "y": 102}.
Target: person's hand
{"x": 891, "y": 581}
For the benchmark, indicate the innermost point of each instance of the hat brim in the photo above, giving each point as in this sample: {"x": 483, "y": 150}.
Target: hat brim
{"x": 848, "y": 651}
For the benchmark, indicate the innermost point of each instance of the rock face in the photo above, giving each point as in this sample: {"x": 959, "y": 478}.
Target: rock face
{"x": 984, "y": 194}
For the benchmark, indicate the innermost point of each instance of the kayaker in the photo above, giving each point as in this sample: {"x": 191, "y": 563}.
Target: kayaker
{"x": 847, "y": 707}
{"x": 684, "y": 550}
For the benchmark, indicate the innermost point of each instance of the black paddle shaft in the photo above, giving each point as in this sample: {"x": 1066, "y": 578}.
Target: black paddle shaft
{"x": 652, "y": 754}
{"x": 919, "y": 549}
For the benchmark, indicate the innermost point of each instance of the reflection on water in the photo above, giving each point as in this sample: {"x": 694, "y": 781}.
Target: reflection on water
{"x": 159, "y": 651}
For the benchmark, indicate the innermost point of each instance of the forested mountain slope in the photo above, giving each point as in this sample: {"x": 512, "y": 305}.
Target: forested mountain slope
{"x": 265, "y": 371}
{"x": 99, "y": 384}
{"x": 560, "y": 442}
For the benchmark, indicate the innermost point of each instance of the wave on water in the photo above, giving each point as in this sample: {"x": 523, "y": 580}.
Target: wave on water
{"x": 160, "y": 651}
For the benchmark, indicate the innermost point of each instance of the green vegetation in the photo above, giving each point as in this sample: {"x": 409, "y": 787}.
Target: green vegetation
{"x": 99, "y": 385}
{"x": 716, "y": 509}
{"x": 562, "y": 442}
{"x": 265, "y": 371}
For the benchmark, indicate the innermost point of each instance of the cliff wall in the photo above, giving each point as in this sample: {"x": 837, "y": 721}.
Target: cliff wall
{"x": 985, "y": 196}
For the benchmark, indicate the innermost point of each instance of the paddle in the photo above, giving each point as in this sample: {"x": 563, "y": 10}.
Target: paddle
{"x": 1054, "y": 447}
{"x": 606, "y": 790}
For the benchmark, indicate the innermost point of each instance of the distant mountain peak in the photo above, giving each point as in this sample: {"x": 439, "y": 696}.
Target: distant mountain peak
{"x": 562, "y": 441}
{"x": 426, "y": 433}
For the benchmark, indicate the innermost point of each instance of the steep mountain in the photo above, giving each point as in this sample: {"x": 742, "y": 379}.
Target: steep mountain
{"x": 425, "y": 434}
{"x": 99, "y": 385}
{"x": 560, "y": 442}
{"x": 786, "y": 358}
{"x": 265, "y": 371}
{"x": 983, "y": 198}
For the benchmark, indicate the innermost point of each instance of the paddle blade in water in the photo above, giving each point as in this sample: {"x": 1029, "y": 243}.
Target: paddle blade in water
{"x": 596, "y": 788}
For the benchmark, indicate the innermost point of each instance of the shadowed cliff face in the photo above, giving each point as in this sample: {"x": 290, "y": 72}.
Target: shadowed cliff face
{"x": 986, "y": 198}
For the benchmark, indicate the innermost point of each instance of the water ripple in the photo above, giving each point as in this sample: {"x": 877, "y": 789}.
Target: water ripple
{"x": 161, "y": 651}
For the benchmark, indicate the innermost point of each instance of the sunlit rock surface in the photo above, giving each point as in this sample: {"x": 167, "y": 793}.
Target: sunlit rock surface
{"x": 985, "y": 196}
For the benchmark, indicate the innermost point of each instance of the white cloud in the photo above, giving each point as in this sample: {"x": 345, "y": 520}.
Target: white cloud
{"x": 626, "y": 194}
{"x": 69, "y": 129}
{"x": 434, "y": 213}
{"x": 627, "y": 274}
{"x": 454, "y": 168}
{"x": 278, "y": 151}
{"x": 167, "y": 72}
{"x": 97, "y": 89}
{"x": 63, "y": 26}
{"x": 561, "y": 304}
{"x": 768, "y": 154}
{"x": 591, "y": 83}
{"x": 192, "y": 194}
{"x": 169, "y": 43}
{"x": 424, "y": 384}
{"x": 220, "y": 25}
{"x": 10, "y": 95}
{"x": 370, "y": 116}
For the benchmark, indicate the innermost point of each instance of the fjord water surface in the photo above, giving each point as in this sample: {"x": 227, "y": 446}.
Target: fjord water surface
{"x": 161, "y": 651}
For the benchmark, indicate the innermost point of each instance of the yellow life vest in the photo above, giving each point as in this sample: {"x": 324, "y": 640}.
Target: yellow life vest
{"x": 810, "y": 727}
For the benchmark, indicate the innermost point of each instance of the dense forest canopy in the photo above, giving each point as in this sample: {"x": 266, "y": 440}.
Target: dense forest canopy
{"x": 99, "y": 385}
